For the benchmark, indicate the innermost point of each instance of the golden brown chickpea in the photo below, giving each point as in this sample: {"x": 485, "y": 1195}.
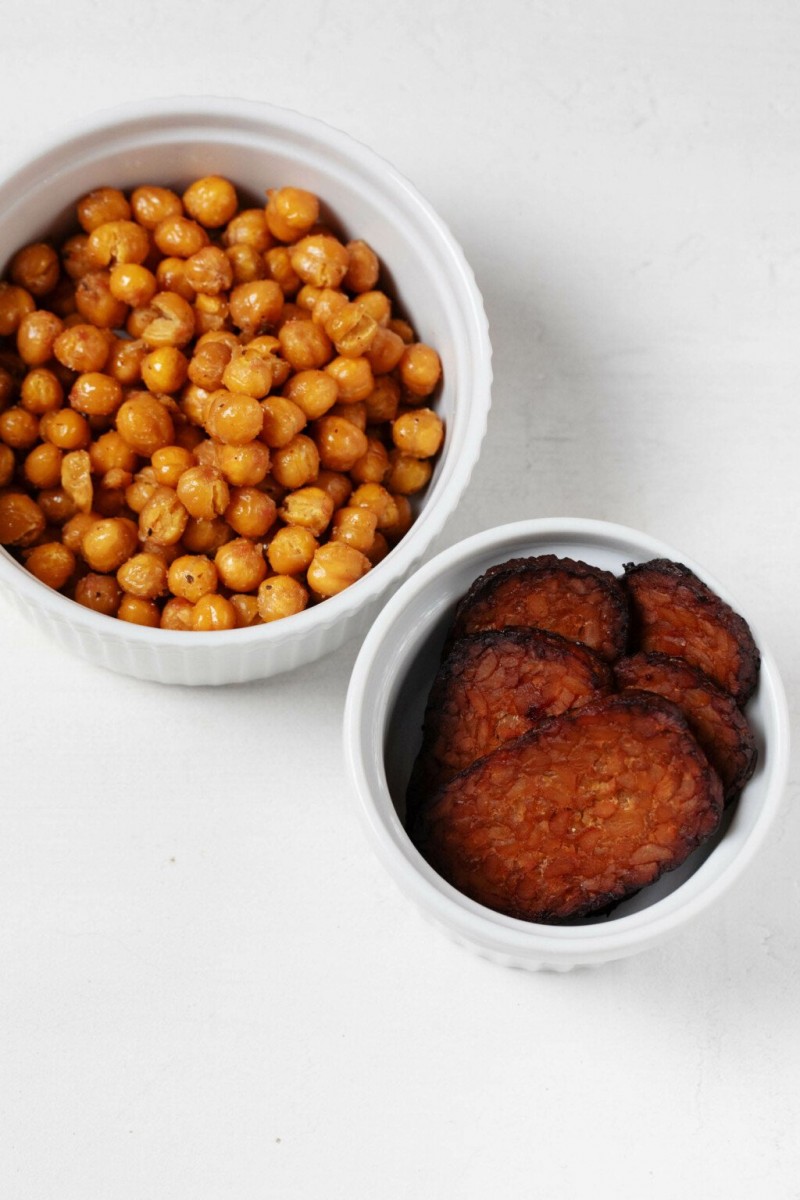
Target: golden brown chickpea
{"x": 340, "y": 442}
{"x": 96, "y": 303}
{"x": 377, "y": 304}
{"x": 111, "y": 452}
{"x": 338, "y": 486}
{"x": 313, "y": 392}
{"x": 56, "y": 505}
{"x": 291, "y": 550}
{"x": 232, "y": 418}
{"x": 281, "y": 596}
{"x": 101, "y": 205}
{"x": 383, "y": 401}
{"x": 403, "y": 330}
{"x": 246, "y": 263}
{"x": 321, "y": 260}
{"x": 101, "y": 593}
{"x": 355, "y": 526}
{"x": 363, "y": 268}
{"x": 420, "y": 369}
{"x": 256, "y": 306}
{"x": 145, "y": 424}
{"x": 211, "y": 314}
{"x": 385, "y": 352}
{"x": 169, "y": 463}
{"x": 19, "y": 428}
{"x": 407, "y": 475}
{"x": 213, "y": 612}
{"x": 179, "y": 237}
{"x": 291, "y": 212}
{"x": 377, "y": 498}
{"x": 418, "y": 433}
{"x": 143, "y": 575}
{"x": 246, "y": 607}
{"x": 248, "y": 373}
{"x": 141, "y": 489}
{"x": 8, "y": 387}
{"x": 7, "y": 465}
{"x": 297, "y": 463}
{"x": 203, "y": 492}
{"x": 187, "y": 436}
{"x": 22, "y": 520}
{"x": 76, "y": 479}
{"x": 248, "y": 228}
{"x": 66, "y": 429}
{"x": 205, "y": 537}
{"x": 174, "y": 324}
{"x": 192, "y": 576}
{"x": 42, "y": 467}
{"x": 52, "y": 563}
{"x": 61, "y": 300}
{"x": 309, "y": 507}
{"x": 82, "y": 347}
{"x": 15, "y": 303}
{"x": 164, "y": 370}
{"x": 397, "y": 526}
{"x": 36, "y": 337}
{"x": 163, "y": 518}
{"x": 75, "y": 257}
{"x": 373, "y": 465}
{"x": 378, "y": 550}
{"x": 118, "y": 242}
{"x": 95, "y": 394}
{"x": 137, "y": 611}
{"x": 207, "y": 364}
{"x": 75, "y": 527}
{"x": 282, "y": 420}
{"x": 352, "y": 331}
{"x": 278, "y": 266}
{"x": 250, "y": 512}
{"x": 353, "y": 377}
{"x": 171, "y": 277}
{"x": 334, "y": 567}
{"x": 35, "y": 268}
{"x": 177, "y": 615}
{"x": 304, "y": 344}
{"x": 152, "y": 204}
{"x": 240, "y": 565}
{"x": 108, "y": 543}
{"x": 244, "y": 466}
{"x": 125, "y": 361}
{"x": 194, "y": 403}
{"x": 211, "y": 200}
{"x": 209, "y": 271}
{"x": 207, "y": 453}
{"x": 132, "y": 283}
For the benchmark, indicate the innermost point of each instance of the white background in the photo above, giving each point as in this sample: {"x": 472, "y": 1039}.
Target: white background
{"x": 209, "y": 988}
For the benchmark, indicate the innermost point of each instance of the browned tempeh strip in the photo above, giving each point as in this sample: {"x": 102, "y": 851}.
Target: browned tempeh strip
{"x": 562, "y": 595}
{"x": 583, "y": 810}
{"x": 675, "y": 613}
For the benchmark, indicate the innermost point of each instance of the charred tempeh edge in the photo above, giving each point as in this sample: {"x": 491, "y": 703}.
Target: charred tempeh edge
{"x": 713, "y": 715}
{"x": 583, "y": 810}
{"x": 492, "y": 687}
{"x": 562, "y": 595}
{"x": 675, "y": 613}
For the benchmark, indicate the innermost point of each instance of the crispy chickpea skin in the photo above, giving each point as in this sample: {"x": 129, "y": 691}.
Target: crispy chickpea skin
{"x": 281, "y": 596}
{"x": 240, "y": 565}
{"x": 213, "y": 612}
{"x": 143, "y": 575}
{"x": 418, "y": 433}
{"x": 334, "y": 567}
{"x": 51, "y": 562}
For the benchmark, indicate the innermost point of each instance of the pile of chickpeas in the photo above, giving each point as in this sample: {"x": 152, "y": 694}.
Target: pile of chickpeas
{"x": 211, "y": 416}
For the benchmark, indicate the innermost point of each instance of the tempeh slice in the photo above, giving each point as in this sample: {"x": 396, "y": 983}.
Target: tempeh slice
{"x": 713, "y": 715}
{"x": 494, "y": 686}
{"x": 675, "y": 613}
{"x": 562, "y": 595}
{"x": 583, "y": 810}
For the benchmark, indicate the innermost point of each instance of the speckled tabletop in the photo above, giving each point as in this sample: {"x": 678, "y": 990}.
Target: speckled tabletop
{"x": 209, "y": 985}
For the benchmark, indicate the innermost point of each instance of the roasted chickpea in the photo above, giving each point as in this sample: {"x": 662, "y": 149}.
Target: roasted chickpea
{"x": 291, "y": 212}
{"x": 373, "y": 464}
{"x": 338, "y": 486}
{"x": 51, "y": 562}
{"x": 321, "y": 260}
{"x": 205, "y": 537}
{"x": 240, "y": 565}
{"x": 145, "y": 423}
{"x": 143, "y": 575}
{"x": 312, "y": 391}
{"x": 248, "y": 373}
{"x": 353, "y": 376}
{"x": 407, "y": 474}
{"x": 21, "y": 519}
{"x": 111, "y": 452}
{"x": 171, "y": 277}
{"x": 36, "y": 335}
{"x": 250, "y": 512}
{"x": 58, "y": 507}
{"x": 213, "y": 612}
{"x": 169, "y": 463}
{"x": 297, "y": 463}
{"x": 132, "y": 283}
{"x": 203, "y": 492}
{"x": 35, "y": 268}
{"x": 173, "y": 324}
{"x": 209, "y": 271}
{"x": 378, "y": 305}
{"x": 304, "y": 344}
{"x": 101, "y": 205}
{"x": 15, "y": 303}
{"x": 163, "y": 518}
{"x": 278, "y": 263}
{"x": 352, "y": 331}
{"x": 255, "y": 306}
{"x": 232, "y": 418}
{"x": 95, "y": 394}
{"x": 179, "y": 237}
{"x": 418, "y": 433}
{"x": 246, "y": 607}
{"x": 82, "y": 347}
{"x": 192, "y": 576}
{"x": 281, "y": 596}
{"x": 76, "y": 479}
{"x": 99, "y": 592}
{"x": 118, "y": 242}
{"x": 383, "y": 401}
{"x": 363, "y": 267}
{"x": 164, "y": 370}
{"x": 125, "y": 361}
{"x": 211, "y": 200}
{"x": 381, "y": 501}
{"x": 385, "y": 352}
{"x": 7, "y": 465}
{"x": 66, "y": 429}
{"x": 194, "y": 403}
{"x": 76, "y": 260}
{"x": 282, "y": 420}
{"x": 108, "y": 543}
{"x": 152, "y": 204}
{"x": 291, "y": 550}
{"x": 310, "y": 507}
{"x": 244, "y": 466}
{"x": 137, "y": 611}
{"x": 334, "y": 567}
{"x": 248, "y": 228}
{"x": 207, "y": 365}
{"x": 420, "y": 369}
{"x": 324, "y": 303}
{"x": 19, "y": 428}
{"x": 355, "y": 526}
{"x": 96, "y": 303}
{"x": 403, "y": 330}
{"x": 177, "y": 614}
{"x": 396, "y": 525}
{"x": 378, "y": 550}
{"x": 340, "y": 442}
{"x": 246, "y": 263}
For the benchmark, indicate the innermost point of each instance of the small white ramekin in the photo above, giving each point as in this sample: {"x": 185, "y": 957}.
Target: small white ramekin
{"x": 382, "y": 733}
{"x": 173, "y": 141}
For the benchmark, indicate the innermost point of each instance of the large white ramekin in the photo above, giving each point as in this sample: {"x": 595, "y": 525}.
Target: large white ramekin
{"x": 382, "y": 728}
{"x": 173, "y": 141}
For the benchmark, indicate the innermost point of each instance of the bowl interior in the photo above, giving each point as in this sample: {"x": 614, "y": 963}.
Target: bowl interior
{"x": 399, "y": 664}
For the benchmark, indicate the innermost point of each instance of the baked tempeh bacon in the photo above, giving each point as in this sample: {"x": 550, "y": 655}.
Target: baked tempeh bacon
{"x": 494, "y": 686}
{"x": 582, "y": 811}
{"x": 713, "y": 715}
{"x": 562, "y": 595}
{"x": 675, "y": 613}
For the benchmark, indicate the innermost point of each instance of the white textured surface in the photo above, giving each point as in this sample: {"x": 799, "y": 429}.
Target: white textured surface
{"x": 209, "y": 986}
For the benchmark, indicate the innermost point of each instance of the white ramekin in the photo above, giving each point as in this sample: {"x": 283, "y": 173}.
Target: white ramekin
{"x": 382, "y": 728}
{"x": 173, "y": 141}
